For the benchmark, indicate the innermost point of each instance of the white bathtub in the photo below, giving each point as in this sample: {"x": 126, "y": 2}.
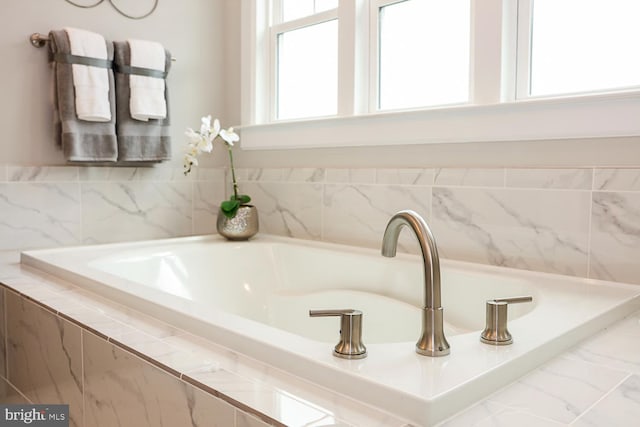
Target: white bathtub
{"x": 254, "y": 297}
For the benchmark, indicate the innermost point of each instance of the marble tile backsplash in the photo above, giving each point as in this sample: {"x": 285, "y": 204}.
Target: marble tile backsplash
{"x": 583, "y": 222}
{"x": 68, "y": 205}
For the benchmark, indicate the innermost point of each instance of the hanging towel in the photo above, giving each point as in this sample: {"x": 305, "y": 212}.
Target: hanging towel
{"x": 138, "y": 141}
{"x": 147, "y": 93}
{"x": 81, "y": 141}
{"x": 91, "y": 83}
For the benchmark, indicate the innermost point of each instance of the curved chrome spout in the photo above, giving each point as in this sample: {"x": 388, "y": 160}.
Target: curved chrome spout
{"x": 432, "y": 341}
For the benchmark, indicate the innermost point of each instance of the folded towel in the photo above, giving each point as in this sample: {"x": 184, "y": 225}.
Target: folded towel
{"x": 81, "y": 141}
{"x": 138, "y": 141}
{"x": 91, "y": 83}
{"x": 147, "y": 93}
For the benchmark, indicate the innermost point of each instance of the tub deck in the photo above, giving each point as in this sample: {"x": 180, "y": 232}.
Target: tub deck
{"x": 301, "y": 273}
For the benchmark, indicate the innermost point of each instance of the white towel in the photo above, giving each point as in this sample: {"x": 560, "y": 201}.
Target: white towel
{"x": 91, "y": 84}
{"x": 147, "y": 99}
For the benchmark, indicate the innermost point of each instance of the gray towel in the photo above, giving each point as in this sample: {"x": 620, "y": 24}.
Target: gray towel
{"x": 81, "y": 141}
{"x": 138, "y": 141}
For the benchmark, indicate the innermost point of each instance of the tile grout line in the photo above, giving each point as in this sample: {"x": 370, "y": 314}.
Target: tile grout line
{"x": 83, "y": 376}
{"x": 5, "y": 332}
{"x": 603, "y": 397}
{"x": 590, "y": 222}
{"x": 193, "y": 206}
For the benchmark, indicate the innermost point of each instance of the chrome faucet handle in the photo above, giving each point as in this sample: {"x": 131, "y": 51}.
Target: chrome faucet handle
{"x": 495, "y": 331}
{"x": 350, "y": 345}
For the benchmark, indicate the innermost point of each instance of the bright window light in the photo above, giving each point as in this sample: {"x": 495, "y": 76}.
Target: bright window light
{"x": 423, "y": 53}
{"x": 307, "y": 82}
{"x": 584, "y": 46}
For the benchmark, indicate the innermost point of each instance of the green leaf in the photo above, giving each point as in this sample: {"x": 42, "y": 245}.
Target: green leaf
{"x": 243, "y": 199}
{"x": 229, "y": 208}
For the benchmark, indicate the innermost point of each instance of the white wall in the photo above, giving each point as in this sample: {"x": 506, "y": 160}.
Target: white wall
{"x": 42, "y": 202}
{"x": 193, "y": 30}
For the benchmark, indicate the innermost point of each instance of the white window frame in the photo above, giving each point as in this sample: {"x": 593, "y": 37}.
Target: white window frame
{"x": 495, "y": 113}
{"x": 523, "y": 61}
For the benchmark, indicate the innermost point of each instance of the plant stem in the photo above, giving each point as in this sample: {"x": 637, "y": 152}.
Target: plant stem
{"x": 233, "y": 174}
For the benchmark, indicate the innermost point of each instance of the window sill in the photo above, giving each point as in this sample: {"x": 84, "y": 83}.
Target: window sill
{"x": 610, "y": 115}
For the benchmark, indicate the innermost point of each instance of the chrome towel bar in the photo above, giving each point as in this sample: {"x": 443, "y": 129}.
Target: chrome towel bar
{"x": 40, "y": 40}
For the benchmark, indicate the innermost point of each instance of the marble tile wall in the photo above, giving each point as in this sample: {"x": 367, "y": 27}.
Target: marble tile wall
{"x": 66, "y": 205}
{"x": 8, "y": 394}
{"x": 583, "y": 222}
{"x": 3, "y": 337}
{"x": 44, "y": 356}
{"x": 52, "y": 360}
{"x": 121, "y": 386}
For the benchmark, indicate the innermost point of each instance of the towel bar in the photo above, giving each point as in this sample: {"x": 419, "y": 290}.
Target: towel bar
{"x": 40, "y": 40}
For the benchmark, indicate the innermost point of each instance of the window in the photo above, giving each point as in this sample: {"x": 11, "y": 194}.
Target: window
{"x": 423, "y": 53}
{"x": 305, "y": 52}
{"x": 578, "y": 46}
{"x": 384, "y": 72}
{"x": 421, "y": 59}
{"x": 307, "y": 61}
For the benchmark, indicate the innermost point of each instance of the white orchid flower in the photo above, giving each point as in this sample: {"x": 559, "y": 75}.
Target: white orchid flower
{"x": 193, "y": 136}
{"x": 205, "y": 144}
{"x": 215, "y": 131}
{"x": 190, "y": 159}
{"x": 192, "y": 149}
{"x": 187, "y": 161}
{"x": 229, "y": 136}
{"x": 205, "y": 126}
{"x": 202, "y": 141}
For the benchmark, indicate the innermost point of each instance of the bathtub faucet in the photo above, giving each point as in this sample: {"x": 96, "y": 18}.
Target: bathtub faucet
{"x": 432, "y": 342}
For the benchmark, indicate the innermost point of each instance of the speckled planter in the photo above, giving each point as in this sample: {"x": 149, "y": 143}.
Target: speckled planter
{"x": 243, "y": 226}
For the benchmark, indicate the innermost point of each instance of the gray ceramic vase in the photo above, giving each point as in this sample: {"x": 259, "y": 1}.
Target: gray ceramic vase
{"x": 243, "y": 226}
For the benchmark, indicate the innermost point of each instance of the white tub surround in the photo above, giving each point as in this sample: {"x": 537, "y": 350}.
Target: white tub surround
{"x": 131, "y": 369}
{"x": 548, "y": 396}
{"x": 253, "y": 297}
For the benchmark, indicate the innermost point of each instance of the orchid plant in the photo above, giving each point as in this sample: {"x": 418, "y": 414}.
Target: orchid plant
{"x": 202, "y": 142}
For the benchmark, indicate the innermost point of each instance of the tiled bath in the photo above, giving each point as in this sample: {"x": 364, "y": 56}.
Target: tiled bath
{"x": 583, "y": 222}
{"x": 115, "y": 366}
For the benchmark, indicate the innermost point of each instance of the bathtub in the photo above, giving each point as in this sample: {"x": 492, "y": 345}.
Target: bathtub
{"x": 254, "y": 297}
